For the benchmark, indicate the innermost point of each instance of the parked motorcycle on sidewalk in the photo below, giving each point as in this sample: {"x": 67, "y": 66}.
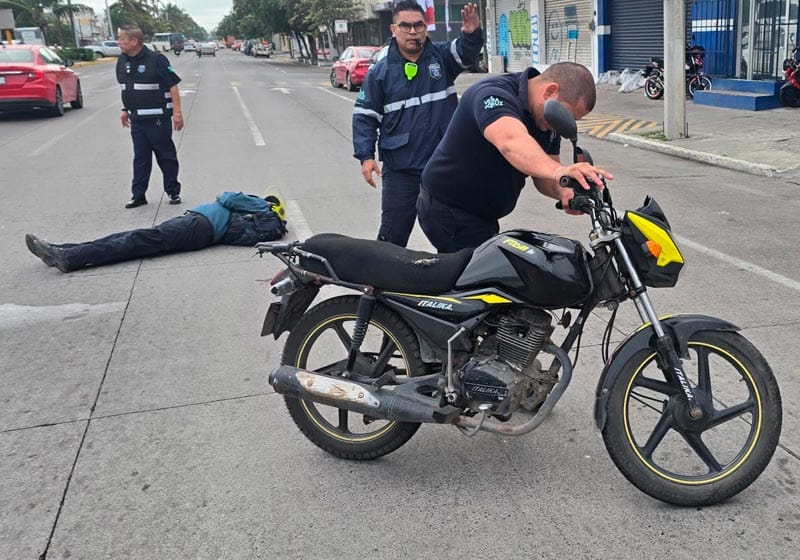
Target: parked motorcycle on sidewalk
{"x": 689, "y": 410}
{"x": 696, "y": 80}
{"x": 790, "y": 91}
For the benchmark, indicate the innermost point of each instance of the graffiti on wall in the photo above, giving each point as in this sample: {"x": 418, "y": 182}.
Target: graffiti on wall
{"x": 562, "y": 35}
{"x": 515, "y": 36}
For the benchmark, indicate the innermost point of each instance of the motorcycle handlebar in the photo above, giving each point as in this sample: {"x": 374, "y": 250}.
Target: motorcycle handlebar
{"x": 582, "y": 200}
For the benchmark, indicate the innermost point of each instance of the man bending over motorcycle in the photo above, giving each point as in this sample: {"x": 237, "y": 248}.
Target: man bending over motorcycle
{"x": 496, "y": 139}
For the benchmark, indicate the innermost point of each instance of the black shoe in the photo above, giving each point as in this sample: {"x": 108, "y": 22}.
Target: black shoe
{"x": 174, "y": 198}
{"x": 51, "y": 256}
{"x": 136, "y": 202}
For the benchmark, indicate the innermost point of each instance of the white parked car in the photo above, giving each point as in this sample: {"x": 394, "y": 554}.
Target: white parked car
{"x": 106, "y": 48}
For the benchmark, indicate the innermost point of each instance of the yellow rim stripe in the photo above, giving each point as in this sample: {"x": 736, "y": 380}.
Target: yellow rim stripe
{"x": 312, "y": 416}
{"x": 722, "y": 475}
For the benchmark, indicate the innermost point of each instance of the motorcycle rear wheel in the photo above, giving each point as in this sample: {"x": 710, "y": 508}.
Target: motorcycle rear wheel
{"x": 663, "y": 452}
{"x": 653, "y": 87}
{"x": 320, "y": 342}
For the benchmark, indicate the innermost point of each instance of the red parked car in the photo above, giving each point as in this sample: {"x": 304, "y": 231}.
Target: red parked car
{"x": 350, "y": 68}
{"x": 35, "y": 77}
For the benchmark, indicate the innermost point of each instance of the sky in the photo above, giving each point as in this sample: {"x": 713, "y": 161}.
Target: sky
{"x": 207, "y": 13}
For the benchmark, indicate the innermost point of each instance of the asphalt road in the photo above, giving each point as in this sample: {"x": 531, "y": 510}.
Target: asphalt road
{"x": 136, "y": 420}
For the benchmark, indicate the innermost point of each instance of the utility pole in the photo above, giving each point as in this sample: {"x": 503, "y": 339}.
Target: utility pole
{"x": 110, "y": 25}
{"x": 674, "y": 73}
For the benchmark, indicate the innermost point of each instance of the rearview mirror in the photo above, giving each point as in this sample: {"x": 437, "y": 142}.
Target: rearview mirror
{"x": 561, "y": 120}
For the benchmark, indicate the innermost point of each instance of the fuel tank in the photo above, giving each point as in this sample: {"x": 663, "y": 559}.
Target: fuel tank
{"x": 545, "y": 270}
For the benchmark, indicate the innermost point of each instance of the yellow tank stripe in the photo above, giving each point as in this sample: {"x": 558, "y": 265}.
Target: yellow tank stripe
{"x": 490, "y": 298}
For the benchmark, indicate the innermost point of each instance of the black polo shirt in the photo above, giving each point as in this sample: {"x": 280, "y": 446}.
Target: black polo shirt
{"x": 466, "y": 171}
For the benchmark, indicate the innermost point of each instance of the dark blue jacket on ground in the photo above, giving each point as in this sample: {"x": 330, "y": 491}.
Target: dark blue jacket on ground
{"x": 411, "y": 115}
{"x": 219, "y": 212}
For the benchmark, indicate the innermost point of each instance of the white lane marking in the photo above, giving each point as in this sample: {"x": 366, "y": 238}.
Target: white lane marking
{"x": 296, "y": 221}
{"x": 750, "y": 267}
{"x": 57, "y": 138}
{"x": 13, "y": 315}
{"x": 348, "y": 99}
{"x": 259, "y": 140}
{"x": 287, "y": 91}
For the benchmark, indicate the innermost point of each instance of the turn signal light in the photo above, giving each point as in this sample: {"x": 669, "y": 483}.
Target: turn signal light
{"x": 653, "y": 248}
{"x": 32, "y": 76}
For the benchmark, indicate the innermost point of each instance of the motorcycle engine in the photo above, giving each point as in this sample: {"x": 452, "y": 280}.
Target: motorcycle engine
{"x": 504, "y": 372}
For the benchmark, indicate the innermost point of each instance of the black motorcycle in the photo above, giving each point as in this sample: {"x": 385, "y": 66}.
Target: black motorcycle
{"x": 696, "y": 79}
{"x": 689, "y": 410}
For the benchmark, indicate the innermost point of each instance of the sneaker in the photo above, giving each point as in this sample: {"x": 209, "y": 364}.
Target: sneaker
{"x": 174, "y": 198}
{"x": 136, "y": 202}
{"x": 51, "y": 256}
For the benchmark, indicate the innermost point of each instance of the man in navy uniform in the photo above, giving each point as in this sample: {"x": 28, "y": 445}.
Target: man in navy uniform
{"x": 409, "y": 97}
{"x": 497, "y": 139}
{"x": 150, "y": 103}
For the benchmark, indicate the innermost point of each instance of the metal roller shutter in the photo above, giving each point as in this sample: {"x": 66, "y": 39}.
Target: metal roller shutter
{"x": 568, "y": 35}
{"x": 637, "y": 32}
{"x": 512, "y": 24}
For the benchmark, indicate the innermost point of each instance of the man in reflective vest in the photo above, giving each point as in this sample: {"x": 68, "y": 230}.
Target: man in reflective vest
{"x": 409, "y": 97}
{"x": 150, "y": 102}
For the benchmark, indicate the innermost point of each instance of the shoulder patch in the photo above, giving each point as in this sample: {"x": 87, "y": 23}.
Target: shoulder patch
{"x": 492, "y": 102}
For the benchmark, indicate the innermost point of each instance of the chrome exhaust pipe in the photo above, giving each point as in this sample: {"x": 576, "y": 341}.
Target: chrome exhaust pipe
{"x": 399, "y": 403}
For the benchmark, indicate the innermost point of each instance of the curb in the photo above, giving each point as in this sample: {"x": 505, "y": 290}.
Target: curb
{"x": 103, "y": 60}
{"x": 759, "y": 169}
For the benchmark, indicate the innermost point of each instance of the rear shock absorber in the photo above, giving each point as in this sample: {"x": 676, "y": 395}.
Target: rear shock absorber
{"x": 365, "y": 306}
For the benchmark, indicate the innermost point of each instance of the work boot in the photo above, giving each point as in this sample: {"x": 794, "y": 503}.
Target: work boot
{"x": 51, "y": 256}
{"x": 136, "y": 202}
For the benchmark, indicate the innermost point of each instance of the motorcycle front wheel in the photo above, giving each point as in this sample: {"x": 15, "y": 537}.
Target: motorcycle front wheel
{"x": 699, "y": 83}
{"x": 653, "y": 87}
{"x": 320, "y": 342}
{"x": 790, "y": 96}
{"x": 674, "y": 458}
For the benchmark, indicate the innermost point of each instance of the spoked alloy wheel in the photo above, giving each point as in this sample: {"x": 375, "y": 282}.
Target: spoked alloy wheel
{"x": 653, "y": 87}
{"x": 668, "y": 455}
{"x": 320, "y": 343}
{"x": 699, "y": 83}
{"x": 334, "y": 83}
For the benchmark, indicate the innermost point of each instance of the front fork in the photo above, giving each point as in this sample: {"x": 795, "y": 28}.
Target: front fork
{"x": 668, "y": 359}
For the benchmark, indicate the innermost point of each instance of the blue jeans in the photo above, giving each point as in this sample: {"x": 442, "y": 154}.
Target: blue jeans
{"x": 153, "y": 136}
{"x": 184, "y": 233}
{"x": 399, "y": 192}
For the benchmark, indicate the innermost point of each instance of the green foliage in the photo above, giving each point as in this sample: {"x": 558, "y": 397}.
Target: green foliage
{"x": 262, "y": 18}
{"x": 156, "y": 18}
{"x": 75, "y": 53}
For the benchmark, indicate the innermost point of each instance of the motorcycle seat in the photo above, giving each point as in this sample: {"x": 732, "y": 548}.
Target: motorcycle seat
{"x": 385, "y": 266}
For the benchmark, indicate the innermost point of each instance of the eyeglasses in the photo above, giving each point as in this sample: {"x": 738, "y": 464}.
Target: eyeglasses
{"x": 418, "y": 26}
